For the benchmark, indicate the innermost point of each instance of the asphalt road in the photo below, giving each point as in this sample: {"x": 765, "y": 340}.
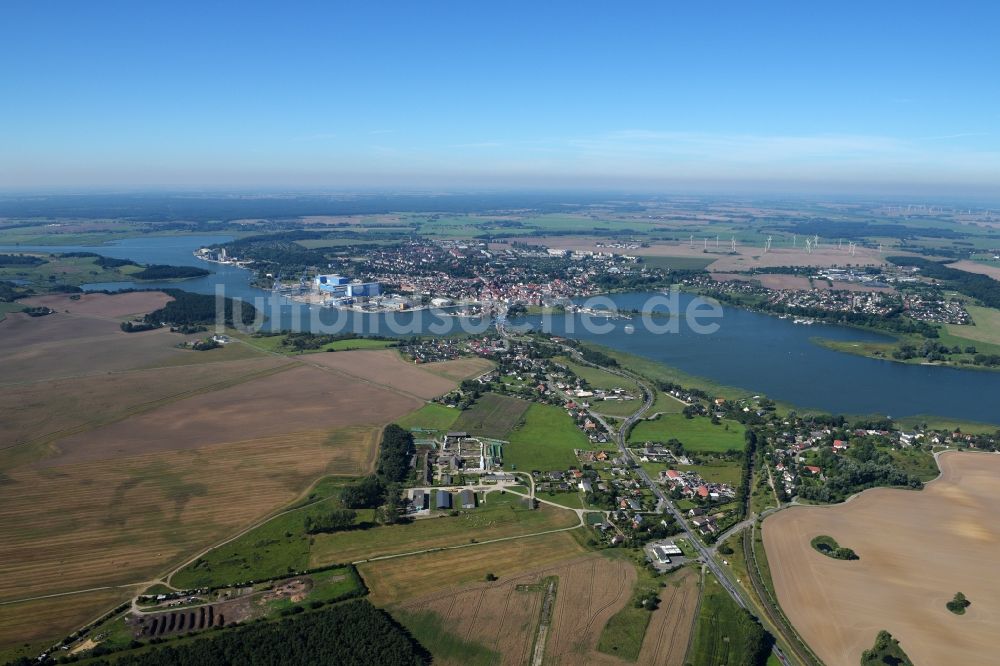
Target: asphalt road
{"x": 662, "y": 500}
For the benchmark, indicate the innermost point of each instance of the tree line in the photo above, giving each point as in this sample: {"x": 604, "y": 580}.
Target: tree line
{"x": 192, "y": 309}
{"x": 381, "y": 490}
{"x": 349, "y": 634}
{"x": 981, "y": 287}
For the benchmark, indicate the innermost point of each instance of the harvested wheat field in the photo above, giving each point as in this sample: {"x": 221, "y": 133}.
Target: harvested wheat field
{"x": 61, "y": 345}
{"x": 589, "y": 593}
{"x": 460, "y": 368}
{"x": 91, "y": 524}
{"x": 47, "y": 409}
{"x": 107, "y": 306}
{"x": 385, "y": 367}
{"x": 297, "y": 399}
{"x": 916, "y": 549}
{"x": 775, "y": 281}
{"x": 970, "y": 266}
{"x": 41, "y": 623}
{"x": 503, "y": 616}
{"x": 670, "y": 626}
{"x": 403, "y": 578}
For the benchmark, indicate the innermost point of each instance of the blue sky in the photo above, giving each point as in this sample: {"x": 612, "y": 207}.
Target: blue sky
{"x": 864, "y": 96}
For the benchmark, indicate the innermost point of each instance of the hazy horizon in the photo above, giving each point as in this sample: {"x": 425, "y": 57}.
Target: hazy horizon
{"x": 851, "y": 99}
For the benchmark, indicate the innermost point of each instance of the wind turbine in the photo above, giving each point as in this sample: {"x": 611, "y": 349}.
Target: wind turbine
{"x": 734, "y": 244}
{"x": 809, "y": 247}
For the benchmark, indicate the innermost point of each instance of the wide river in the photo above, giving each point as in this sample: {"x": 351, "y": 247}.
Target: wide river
{"x": 749, "y": 350}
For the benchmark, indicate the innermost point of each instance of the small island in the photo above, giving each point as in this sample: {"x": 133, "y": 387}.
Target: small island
{"x": 829, "y": 547}
{"x": 958, "y": 604}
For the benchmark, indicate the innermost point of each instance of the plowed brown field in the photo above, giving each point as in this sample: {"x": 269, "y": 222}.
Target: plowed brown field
{"x": 505, "y": 619}
{"x": 298, "y": 399}
{"x": 916, "y": 549}
{"x": 108, "y": 523}
{"x": 385, "y": 367}
{"x": 109, "y": 306}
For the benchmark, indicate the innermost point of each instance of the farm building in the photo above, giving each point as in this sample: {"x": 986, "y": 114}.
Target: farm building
{"x": 662, "y": 556}
{"x": 419, "y": 500}
{"x": 467, "y": 499}
{"x": 443, "y": 499}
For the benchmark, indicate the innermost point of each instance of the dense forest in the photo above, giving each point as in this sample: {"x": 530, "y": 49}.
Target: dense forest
{"x": 349, "y": 634}
{"x": 20, "y": 260}
{"x": 9, "y": 291}
{"x": 192, "y": 309}
{"x": 302, "y": 341}
{"x": 381, "y": 491}
{"x": 756, "y": 641}
{"x": 395, "y": 453}
{"x": 981, "y": 287}
{"x": 280, "y": 249}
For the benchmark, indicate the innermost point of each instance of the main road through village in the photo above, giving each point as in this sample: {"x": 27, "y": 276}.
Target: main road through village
{"x": 706, "y": 554}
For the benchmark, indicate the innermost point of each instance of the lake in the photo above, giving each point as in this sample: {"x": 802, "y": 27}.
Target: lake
{"x": 749, "y": 350}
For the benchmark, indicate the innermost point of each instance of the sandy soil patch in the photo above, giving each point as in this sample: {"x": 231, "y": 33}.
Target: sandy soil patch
{"x": 385, "y": 367}
{"x": 113, "y": 306}
{"x": 976, "y": 267}
{"x": 917, "y": 550}
{"x": 95, "y": 523}
{"x": 298, "y": 399}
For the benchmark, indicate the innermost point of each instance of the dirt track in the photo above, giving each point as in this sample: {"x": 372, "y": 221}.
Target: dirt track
{"x": 917, "y": 550}
{"x": 590, "y": 590}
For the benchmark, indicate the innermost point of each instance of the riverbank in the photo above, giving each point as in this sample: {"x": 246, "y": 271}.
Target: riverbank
{"x": 883, "y": 351}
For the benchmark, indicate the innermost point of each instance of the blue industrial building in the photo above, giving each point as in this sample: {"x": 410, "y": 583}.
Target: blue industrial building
{"x": 341, "y": 287}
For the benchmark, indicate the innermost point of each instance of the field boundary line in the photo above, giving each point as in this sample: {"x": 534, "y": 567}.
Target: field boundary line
{"x": 382, "y": 558}
{"x": 10, "y": 602}
{"x": 772, "y": 608}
